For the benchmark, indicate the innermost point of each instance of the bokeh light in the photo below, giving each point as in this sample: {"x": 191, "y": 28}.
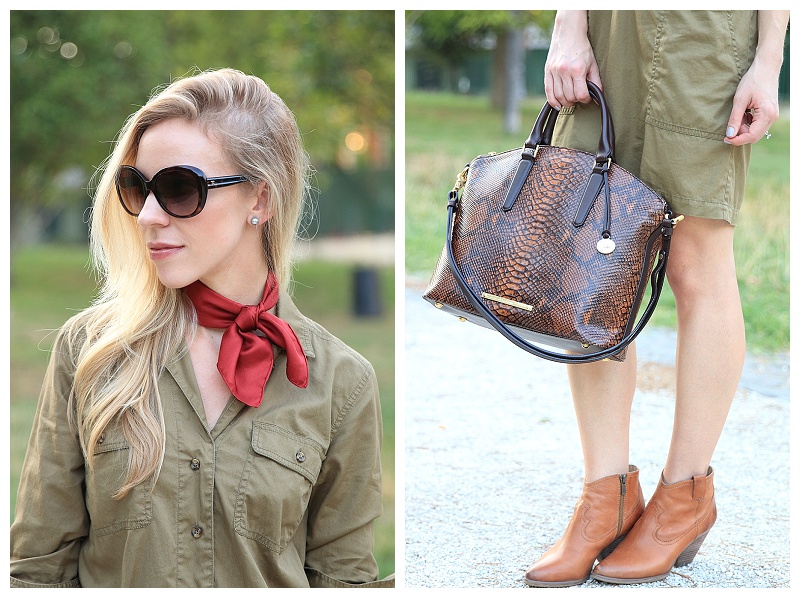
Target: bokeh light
{"x": 19, "y": 44}
{"x": 355, "y": 141}
{"x": 123, "y": 50}
{"x": 69, "y": 50}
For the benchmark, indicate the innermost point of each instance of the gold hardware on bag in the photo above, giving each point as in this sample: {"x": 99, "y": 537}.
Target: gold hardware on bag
{"x": 585, "y": 345}
{"x": 461, "y": 179}
{"x": 677, "y": 219}
{"x": 438, "y": 305}
{"x": 462, "y": 319}
{"x": 510, "y": 302}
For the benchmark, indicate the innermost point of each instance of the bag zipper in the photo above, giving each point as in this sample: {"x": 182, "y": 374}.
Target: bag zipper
{"x": 622, "y": 491}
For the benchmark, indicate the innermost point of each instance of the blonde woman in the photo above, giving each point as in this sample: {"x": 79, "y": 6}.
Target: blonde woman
{"x": 194, "y": 429}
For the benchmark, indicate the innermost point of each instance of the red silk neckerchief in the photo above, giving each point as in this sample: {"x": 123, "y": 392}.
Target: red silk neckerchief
{"x": 245, "y": 358}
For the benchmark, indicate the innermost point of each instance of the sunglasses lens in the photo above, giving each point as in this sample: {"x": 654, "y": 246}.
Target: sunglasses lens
{"x": 179, "y": 190}
{"x": 131, "y": 190}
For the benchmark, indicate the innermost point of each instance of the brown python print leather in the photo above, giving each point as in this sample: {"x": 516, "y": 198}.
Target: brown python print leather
{"x": 533, "y": 254}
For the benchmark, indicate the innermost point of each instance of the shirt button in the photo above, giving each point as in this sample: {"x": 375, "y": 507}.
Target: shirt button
{"x": 197, "y": 531}
{"x": 102, "y": 439}
{"x": 300, "y": 456}
{"x": 194, "y": 464}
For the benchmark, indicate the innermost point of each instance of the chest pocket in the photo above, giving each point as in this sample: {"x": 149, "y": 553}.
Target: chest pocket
{"x": 108, "y": 473}
{"x": 275, "y": 488}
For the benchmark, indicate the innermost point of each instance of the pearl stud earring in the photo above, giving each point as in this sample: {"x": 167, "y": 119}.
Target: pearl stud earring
{"x": 254, "y": 221}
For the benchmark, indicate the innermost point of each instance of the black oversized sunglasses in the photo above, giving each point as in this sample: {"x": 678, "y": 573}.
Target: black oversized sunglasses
{"x": 181, "y": 191}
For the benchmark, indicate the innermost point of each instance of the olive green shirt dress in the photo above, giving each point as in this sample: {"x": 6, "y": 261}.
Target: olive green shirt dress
{"x": 282, "y": 495}
{"x": 669, "y": 78}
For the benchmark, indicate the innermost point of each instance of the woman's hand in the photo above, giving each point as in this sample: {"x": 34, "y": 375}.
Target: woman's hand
{"x": 570, "y": 61}
{"x": 755, "y": 104}
{"x": 755, "y": 107}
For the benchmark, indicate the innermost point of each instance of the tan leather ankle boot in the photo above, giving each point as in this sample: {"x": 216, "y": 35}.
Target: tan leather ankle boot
{"x": 669, "y": 534}
{"x": 606, "y": 510}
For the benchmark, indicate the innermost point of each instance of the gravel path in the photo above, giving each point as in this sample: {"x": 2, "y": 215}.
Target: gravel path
{"x": 493, "y": 464}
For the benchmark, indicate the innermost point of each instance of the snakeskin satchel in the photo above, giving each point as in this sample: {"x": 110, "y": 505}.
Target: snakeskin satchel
{"x": 553, "y": 247}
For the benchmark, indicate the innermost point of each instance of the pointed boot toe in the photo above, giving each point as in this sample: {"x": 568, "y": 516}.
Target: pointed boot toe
{"x": 606, "y": 510}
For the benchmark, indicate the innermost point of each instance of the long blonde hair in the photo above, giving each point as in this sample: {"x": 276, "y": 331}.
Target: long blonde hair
{"x": 136, "y": 326}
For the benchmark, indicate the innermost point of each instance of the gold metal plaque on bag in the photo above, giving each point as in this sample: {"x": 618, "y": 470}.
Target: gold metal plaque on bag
{"x": 505, "y": 301}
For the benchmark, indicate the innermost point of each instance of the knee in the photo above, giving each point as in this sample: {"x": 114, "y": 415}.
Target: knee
{"x": 695, "y": 280}
{"x": 684, "y": 280}
{"x": 701, "y": 263}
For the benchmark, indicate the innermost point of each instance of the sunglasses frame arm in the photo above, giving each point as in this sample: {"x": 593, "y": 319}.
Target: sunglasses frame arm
{"x": 225, "y": 181}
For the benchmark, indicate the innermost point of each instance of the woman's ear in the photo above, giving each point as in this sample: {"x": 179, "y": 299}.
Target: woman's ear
{"x": 263, "y": 204}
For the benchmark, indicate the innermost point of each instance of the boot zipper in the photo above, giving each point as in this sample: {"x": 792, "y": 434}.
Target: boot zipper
{"x": 622, "y": 491}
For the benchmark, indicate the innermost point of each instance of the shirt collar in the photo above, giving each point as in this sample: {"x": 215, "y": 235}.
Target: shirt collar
{"x": 287, "y": 311}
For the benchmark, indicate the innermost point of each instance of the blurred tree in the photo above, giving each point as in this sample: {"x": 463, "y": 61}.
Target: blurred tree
{"x": 335, "y": 69}
{"x": 72, "y": 85}
{"x": 514, "y": 71}
{"x": 445, "y": 37}
{"x": 77, "y": 75}
{"x": 449, "y": 36}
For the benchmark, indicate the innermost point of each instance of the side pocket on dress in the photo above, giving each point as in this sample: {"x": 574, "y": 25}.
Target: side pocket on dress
{"x": 697, "y": 65}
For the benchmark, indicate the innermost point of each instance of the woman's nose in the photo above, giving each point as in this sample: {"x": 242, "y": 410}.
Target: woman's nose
{"x": 152, "y": 213}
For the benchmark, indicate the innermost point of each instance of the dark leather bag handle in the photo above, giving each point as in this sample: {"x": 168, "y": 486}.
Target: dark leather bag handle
{"x": 542, "y": 134}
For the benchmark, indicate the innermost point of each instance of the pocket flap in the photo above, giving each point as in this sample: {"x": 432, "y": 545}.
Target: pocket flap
{"x": 298, "y": 453}
{"x": 112, "y": 439}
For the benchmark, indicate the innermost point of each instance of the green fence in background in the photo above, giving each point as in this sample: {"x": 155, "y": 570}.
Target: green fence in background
{"x": 475, "y": 74}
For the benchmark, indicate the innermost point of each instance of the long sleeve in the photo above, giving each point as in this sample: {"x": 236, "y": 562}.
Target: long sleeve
{"x": 50, "y": 519}
{"x": 347, "y": 497}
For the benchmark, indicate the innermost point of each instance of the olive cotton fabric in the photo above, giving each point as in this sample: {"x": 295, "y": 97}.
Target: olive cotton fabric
{"x": 669, "y": 78}
{"x": 283, "y": 495}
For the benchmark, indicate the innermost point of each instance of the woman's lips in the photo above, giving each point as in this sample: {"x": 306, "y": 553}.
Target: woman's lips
{"x": 160, "y": 251}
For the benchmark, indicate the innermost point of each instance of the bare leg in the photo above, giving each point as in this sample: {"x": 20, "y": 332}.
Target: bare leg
{"x": 710, "y": 355}
{"x": 709, "y": 360}
{"x": 611, "y": 500}
{"x": 602, "y": 392}
{"x": 711, "y": 341}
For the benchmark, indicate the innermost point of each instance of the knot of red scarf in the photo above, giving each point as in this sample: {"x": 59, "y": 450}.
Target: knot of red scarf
{"x": 246, "y": 359}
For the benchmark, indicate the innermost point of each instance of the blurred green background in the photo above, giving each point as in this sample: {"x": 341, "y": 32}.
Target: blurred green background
{"x": 77, "y": 75}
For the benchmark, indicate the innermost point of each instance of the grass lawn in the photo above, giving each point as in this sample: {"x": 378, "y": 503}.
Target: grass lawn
{"x": 49, "y": 283}
{"x": 444, "y": 132}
